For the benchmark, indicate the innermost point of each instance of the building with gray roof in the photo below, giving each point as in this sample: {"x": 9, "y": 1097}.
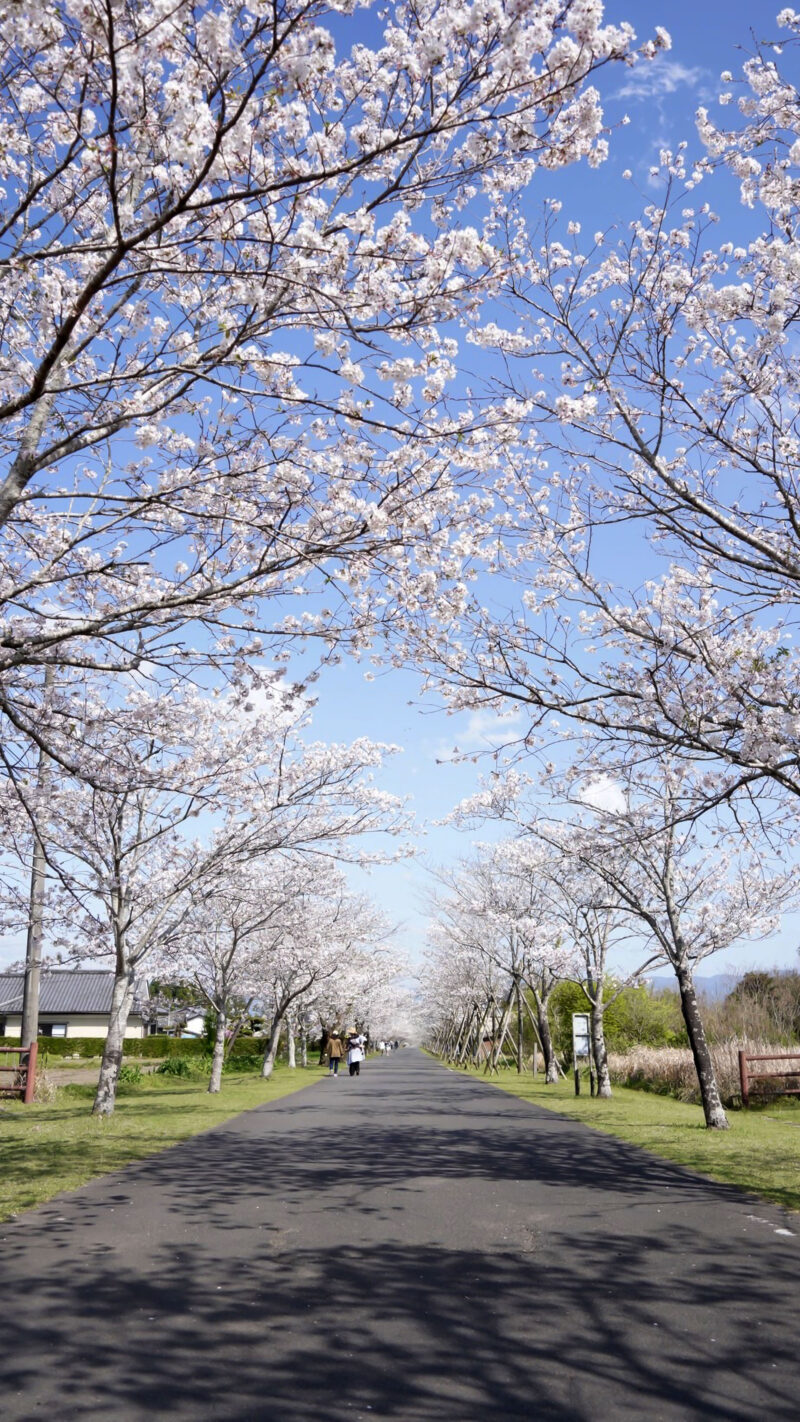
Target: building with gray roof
{"x": 73, "y": 1002}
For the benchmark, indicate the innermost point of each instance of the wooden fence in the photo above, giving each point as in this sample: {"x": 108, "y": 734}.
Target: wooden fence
{"x": 22, "y": 1072}
{"x": 750, "y": 1078}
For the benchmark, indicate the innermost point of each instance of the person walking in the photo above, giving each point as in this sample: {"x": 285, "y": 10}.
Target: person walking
{"x": 355, "y": 1052}
{"x": 335, "y": 1053}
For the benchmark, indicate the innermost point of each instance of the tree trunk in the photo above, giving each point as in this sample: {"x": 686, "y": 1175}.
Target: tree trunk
{"x": 304, "y": 1046}
{"x": 480, "y": 1029}
{"x": 33, "y": 950}
{"x": 121, "y": 1000}
{"x": 599, "y": 1046}
{"x": 714, "y": 1112}
{"x": 292, "y": 1049}
{"x": 546, "y": 1039}
{"x": 502, "y": 1031}
{"x": 520, "y": 1046}
{"x": 218, "y": 1055}
{"x": 272, "y": 1048}
{"x": 462, "y": 1048}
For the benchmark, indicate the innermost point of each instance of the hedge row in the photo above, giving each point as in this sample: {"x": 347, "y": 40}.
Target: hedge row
{"x": 158, "y": 1046}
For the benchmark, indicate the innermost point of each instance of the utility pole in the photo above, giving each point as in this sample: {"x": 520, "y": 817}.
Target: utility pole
{"x": 33, "y": 948}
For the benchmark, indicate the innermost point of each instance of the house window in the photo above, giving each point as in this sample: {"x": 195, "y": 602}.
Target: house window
{"x": 2, "y": 1026}
{"x": 52, "y": 1029}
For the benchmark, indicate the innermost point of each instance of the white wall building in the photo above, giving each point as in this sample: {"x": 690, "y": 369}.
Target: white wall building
{"x": 73, "y": 1002}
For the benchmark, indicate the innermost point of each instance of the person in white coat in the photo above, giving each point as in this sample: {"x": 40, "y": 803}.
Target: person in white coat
{"x": 356, "y": 1043}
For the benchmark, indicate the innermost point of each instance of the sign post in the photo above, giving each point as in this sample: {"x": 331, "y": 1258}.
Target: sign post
{"x": 581, "y": 1045}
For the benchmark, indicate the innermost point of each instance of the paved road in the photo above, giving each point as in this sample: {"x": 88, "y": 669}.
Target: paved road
{"x": 412, "y": 1245}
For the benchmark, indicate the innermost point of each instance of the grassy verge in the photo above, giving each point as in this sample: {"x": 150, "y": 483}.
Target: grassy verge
{"x": 760, "y": 1153}
{"x": 48, "y": 1148}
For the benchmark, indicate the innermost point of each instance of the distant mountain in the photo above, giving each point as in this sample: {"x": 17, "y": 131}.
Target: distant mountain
{"x": 715, "y": 986}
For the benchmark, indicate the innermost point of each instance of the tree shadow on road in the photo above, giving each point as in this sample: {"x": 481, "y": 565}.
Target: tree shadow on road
{"x": 313, "y": 1258}
{"x": 400, "y": 1333}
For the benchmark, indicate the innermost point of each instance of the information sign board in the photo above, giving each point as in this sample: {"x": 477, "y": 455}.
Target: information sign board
{"x": 580, "y": 1034}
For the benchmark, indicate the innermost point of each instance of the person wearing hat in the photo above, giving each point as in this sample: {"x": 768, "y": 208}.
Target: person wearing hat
{"x": 335, "y": 1053}
{"x": 355, "y": 1052}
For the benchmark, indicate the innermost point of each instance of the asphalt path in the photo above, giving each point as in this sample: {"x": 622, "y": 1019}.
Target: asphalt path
{"x": 408, "y": 1245}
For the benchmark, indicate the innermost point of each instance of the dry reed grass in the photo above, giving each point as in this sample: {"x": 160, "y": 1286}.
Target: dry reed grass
{"x": 44, "y": 1089}
{"x": 671, "y": 1071}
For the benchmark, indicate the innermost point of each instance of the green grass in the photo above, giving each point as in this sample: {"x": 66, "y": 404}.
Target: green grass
{"x": 45, "y": 1149}
{"x": 760, "y": 1153}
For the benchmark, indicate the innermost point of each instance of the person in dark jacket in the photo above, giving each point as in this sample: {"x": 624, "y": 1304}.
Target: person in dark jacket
{"x": 335, "y": 1053}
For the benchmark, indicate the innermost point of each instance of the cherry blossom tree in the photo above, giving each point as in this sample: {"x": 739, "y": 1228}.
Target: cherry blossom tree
{"x": 458, "y": 983}
{"x": 123, "y": 859}
{"x": 215, "y": 949}
{"x": 232, "y": 252}
{"x": 497, "y": 907}
{"x": 659, "y": 390}
{"x": 268, "y": 937}
{"x": 328, "y": 931}
{"x": 368, "y": 988}
{"x": 692, "y": 883}
{"x": 691, "y": 866}
{"x": 593, "y": 922}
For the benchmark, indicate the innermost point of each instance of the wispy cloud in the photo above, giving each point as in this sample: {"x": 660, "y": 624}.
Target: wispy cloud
{"x": 483, "y": 730}
{"x": 661, "y": 77}
{"x": 493, "y": 727}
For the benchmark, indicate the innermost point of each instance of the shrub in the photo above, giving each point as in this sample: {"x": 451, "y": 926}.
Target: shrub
{"x": 130, "y": 1075}
{"x": 180, "y": 1066}
{"x": 244, "y": 1063}
{"x": 637, "y": 1017}
{"x": 163, "y": 1046}
{"x": 148, "y": 1047}
{"x": 145, "y": 1047}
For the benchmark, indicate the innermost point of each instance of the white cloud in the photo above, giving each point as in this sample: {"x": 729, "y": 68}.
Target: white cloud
{"x": 482, "y": 731}
{"x": 663, "y": 76}
{"x": 604, "y": 794}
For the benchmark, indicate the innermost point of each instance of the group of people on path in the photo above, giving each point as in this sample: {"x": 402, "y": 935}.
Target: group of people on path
{"x": 354, "y": 1048}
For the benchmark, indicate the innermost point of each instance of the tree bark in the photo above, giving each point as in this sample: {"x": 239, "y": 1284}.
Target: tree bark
{"x": 546, "y": 1039}
{"x": 33, "y": 949}
{"x": 462, "y": 1047}
{"x": 218, "y": 1056}
{"x": 303, "y": 1046}
{"x": 599, "y": 1051}
{"x": 502, "y": 1031}
{"x": 121, "y": 1000}
{"x": 714, "y": 1112}
{"x": 292, "y": 1049}
{"x": 479, "y": 1034}
{"x": 270, "y": 1054}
